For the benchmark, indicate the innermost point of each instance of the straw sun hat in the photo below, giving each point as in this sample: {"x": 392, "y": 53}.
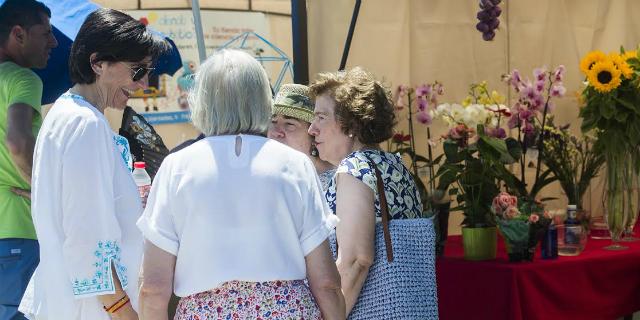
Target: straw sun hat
{"x": 293, "y": 101}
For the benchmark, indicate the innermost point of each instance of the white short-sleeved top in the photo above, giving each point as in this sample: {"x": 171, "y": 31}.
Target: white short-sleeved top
{"x": 248, "y": 217}
{"x": 85, "y": 205}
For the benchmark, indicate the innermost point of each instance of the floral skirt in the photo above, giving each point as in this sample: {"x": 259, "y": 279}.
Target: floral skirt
{"x": 251, "y": 300}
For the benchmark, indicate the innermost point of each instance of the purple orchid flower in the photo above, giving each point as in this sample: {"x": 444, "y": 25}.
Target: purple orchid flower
{"x": 424, "y": 117}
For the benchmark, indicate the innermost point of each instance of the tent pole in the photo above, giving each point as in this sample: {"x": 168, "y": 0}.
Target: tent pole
{"x": 300, "y": 45}
{"x": 352, "y": 27}
{"x": 197, "y": 20}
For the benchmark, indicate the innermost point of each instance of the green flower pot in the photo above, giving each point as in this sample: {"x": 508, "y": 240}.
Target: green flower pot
{"x": 479, "y": 243}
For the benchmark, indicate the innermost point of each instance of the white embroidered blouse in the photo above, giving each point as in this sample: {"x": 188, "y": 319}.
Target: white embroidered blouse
{"x": 248, "y": 217}
{"x": 84, "y": 205}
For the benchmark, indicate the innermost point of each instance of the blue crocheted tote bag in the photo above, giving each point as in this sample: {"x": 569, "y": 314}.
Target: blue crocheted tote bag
{"x": 402, "y": 280}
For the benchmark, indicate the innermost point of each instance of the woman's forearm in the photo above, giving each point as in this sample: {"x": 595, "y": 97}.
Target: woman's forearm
{"x": 154, "y": 303}
{"x": 324, "y": 282}
{"x": 331, "y": 303}
{"x": 156, "y": 282}
{"x": 353, "y": 276}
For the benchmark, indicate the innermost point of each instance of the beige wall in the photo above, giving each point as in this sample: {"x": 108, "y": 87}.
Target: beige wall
{"x": 416, "y": 41}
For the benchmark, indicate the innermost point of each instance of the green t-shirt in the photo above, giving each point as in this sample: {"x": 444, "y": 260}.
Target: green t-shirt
{"x": 17, "y": 85}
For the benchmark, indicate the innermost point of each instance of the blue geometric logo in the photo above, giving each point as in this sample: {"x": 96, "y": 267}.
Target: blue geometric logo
{"x": 270, "y": 56}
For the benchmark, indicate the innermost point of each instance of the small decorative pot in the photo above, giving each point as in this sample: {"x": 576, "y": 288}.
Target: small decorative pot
{"x": 479, "y": 243}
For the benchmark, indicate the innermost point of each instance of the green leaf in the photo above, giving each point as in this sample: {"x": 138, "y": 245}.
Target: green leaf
{"x": 634, "y": 62}
{"x": 451, "y": 151}
{"x": 514, "y": 184}
{"x": 588, "y": 123}
{"x": 436, "y": 161}
{"x": 447, "y": 174}
{"x": 453, "y": 191}
{"x": 543, "y": 181}
{"x": 514, "y": 147}
{"x": 627, "y": 104}
{"x": 608, "y": 110}
{"x": 420, "y": 158}
{"x": 622, "y": 116}
{"x": 633, "y": 131}
{"x": 495, "y": 149}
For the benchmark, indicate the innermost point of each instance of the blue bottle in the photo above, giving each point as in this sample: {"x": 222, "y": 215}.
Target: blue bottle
{"x": 550, "y": 243}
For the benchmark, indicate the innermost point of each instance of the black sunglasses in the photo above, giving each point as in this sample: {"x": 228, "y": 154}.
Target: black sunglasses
{"x": 139, "y": 72}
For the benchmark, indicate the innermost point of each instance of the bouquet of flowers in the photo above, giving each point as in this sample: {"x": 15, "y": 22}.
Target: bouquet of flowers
{"x": 572, "y": 160}
{"x": 522, "y": 226}
{"x": 476, "y": 152}
{"x": 612, "y": 106}
{"x": 612, "y": 100}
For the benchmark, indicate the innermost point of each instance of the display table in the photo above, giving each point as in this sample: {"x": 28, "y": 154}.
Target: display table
{"x": 598, "y": 284}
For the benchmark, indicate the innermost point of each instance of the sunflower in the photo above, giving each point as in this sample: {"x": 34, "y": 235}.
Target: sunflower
{"x": 629, "y": 54}
{"x": 604, "y": 76}
{"x": 592, "y": 57}
{"x": 621, "y": 63}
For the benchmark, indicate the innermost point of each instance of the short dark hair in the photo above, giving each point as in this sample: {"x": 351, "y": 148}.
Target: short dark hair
{"x": 363, "y": 104}
{"x": 24, "y": 13}
{"x": 113, "y": 36}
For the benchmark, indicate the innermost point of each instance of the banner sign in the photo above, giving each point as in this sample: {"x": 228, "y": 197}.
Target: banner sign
{"x": 166, "y": 99}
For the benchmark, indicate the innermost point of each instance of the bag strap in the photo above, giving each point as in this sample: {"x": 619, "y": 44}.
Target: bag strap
{"x": 384, "y": 210}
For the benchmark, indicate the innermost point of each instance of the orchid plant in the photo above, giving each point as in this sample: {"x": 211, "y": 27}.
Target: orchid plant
{"x": 476, "y": 150}
{"x": 414, "y": 104}
{"x": 528, "y": 115}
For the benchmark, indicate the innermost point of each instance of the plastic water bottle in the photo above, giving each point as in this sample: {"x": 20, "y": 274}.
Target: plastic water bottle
{"x": 570, "y": 236}
{"x": 143, "y": 181}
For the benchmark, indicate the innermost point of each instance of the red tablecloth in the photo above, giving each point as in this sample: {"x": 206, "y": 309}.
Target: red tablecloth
{"x": 598, "y": 284}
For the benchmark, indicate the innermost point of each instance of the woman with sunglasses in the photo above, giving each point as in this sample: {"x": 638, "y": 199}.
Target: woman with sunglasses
{"x": 84, "y": 201}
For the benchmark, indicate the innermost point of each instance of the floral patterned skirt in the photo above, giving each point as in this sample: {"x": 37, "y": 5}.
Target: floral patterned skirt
{"x": 251, "y": 300}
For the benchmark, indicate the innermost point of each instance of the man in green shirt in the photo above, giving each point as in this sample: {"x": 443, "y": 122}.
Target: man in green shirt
{"x": 25, "y": 42}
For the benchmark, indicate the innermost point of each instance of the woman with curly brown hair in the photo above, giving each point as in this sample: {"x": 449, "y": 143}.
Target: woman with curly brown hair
{"x": 353, "y": 115}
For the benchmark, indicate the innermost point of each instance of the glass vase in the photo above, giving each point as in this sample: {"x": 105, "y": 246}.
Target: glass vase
{"x": 618, "y": 202}
{"x": 629, "y": 235}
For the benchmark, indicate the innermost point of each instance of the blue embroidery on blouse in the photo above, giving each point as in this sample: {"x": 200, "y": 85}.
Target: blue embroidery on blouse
{"x": 74, "y": 96}
{"x": 121, "y": 142}
{"x": 125, "y": 152}
{"x": 102, "y": 281}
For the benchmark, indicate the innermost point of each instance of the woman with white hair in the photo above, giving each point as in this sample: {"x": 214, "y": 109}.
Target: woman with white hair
{"x": 236, "y": 222}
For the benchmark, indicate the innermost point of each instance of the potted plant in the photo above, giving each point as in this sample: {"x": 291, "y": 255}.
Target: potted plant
{"x": 476, "y": 151}
{"x": 521, "y": 224}
{"x": 413, "y": 105}
{"x": 528, "y": 115}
